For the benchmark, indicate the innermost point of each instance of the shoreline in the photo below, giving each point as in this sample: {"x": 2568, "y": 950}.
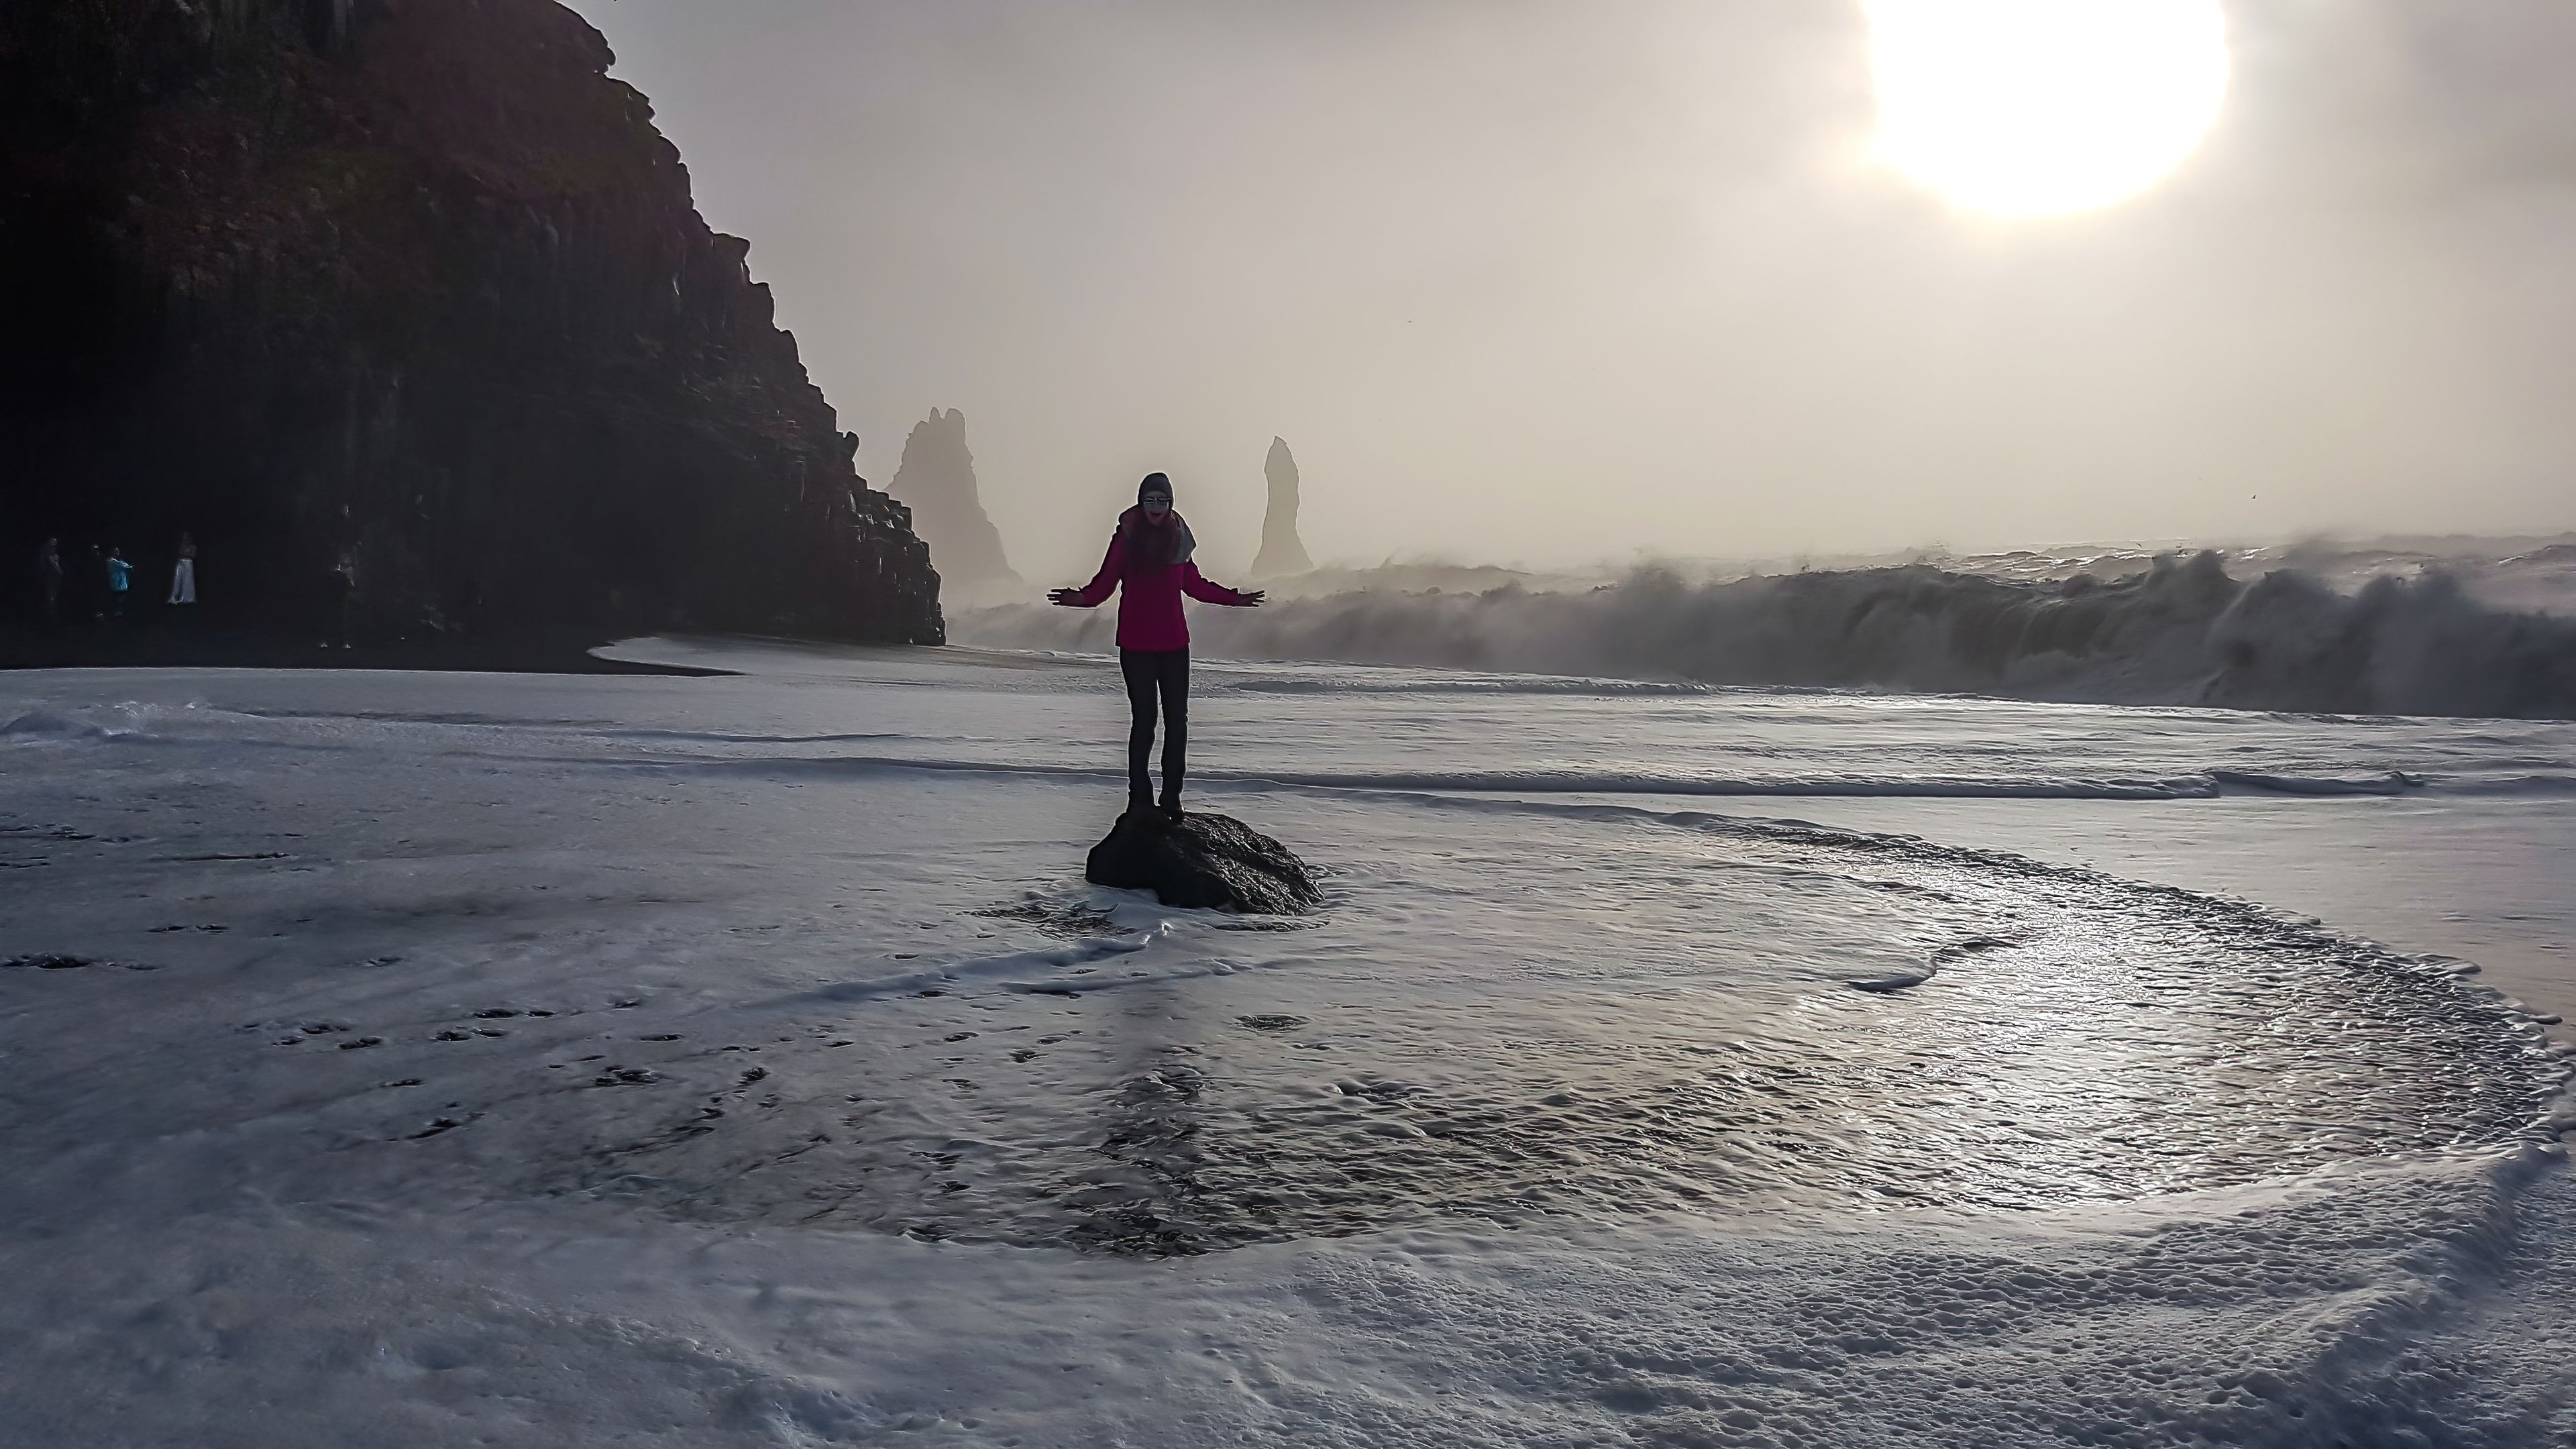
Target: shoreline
{"x": 161, "y": 645}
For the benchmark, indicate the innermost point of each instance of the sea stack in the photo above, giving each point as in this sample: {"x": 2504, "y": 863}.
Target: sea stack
{"x": 414, "y": 294}
{"x": 937, "y": 481}
{"x": 1281, "y": 552}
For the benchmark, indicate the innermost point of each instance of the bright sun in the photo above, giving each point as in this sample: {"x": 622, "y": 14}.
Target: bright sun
{"x": 2031, "y": 107}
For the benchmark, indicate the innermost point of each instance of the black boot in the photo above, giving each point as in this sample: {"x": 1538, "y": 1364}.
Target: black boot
{"x": 1171, "y": 807}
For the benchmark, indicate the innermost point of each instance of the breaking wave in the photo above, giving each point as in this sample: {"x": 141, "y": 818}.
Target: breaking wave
{"x": 2182, "y": 632}
{"x": 52, "y": 726}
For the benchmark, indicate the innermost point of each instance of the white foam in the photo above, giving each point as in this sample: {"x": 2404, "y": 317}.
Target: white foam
{"x": 2181, "y": 632}
{"x": 200, "y": 1226}
{"x": 92, "y": 724}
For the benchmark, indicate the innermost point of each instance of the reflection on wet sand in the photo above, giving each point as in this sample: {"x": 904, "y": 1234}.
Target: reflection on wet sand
{"x": 2068, "y": 1038}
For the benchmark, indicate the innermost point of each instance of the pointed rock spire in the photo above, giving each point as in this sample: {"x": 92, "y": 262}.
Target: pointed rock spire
{"x": 937, "y": 480}
{"x": 1281, "y": 552}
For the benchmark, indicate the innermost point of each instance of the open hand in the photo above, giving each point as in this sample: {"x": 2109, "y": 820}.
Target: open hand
{"x": 1252, "y": 597}
{"x": 1070, "y": 598}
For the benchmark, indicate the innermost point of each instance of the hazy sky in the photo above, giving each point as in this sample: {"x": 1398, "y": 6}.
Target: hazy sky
{"x": 1561, "y": 282}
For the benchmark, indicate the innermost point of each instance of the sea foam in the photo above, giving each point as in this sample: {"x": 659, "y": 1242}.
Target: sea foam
{"x": 2184, "y": 631}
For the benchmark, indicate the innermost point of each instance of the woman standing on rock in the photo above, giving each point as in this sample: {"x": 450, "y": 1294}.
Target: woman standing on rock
{"x": 1149, "y": 556}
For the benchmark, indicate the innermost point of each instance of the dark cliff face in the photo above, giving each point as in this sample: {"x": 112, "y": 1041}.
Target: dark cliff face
{"x": 411, "y": 283}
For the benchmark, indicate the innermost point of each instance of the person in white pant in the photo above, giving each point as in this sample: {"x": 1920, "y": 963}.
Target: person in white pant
{"x": 183, "y": 578}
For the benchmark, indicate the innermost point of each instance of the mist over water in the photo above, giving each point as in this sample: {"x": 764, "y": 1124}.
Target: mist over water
{"x": 1546, "y": 283}
{"x": 1794, "y": 986}
{"x": 2183, "y": 631}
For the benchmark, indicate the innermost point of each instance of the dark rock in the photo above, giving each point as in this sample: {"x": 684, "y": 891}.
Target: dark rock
{"x": 1202, "y": 862}
{"x": 409, "y": 307}
{"x": 48, "y": 961}
{"x": 936, "y": 480}
{"x": 1281, "y": 550}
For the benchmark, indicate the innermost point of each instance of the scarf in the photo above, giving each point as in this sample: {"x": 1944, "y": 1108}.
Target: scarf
{"x": 1150, "y": 547}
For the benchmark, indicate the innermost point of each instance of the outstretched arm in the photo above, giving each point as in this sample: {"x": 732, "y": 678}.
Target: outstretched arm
{"x": 1207, "y": 591}
{"x": 1090, "y": 595}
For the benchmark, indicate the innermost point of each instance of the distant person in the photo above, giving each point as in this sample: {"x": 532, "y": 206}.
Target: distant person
{"x": 183, "y": 575}
{"x": 1149, "y": 558}
{"x": 339, "y": 586}
{"x": 89, "y": 586}
{"x": 49, "y": 578}
{"x": 120, "y": 581}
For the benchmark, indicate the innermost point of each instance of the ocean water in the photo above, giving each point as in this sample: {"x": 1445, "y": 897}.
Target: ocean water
{"x": 2453, "y": 627}
{"x": 532, "y": 1059}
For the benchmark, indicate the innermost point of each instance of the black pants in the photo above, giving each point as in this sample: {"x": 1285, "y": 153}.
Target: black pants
{"x": 1149, "y": 672}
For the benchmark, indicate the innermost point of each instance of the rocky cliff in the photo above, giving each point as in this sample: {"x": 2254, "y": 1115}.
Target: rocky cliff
{"x": 936, "y": 480}
{"x": 1281, "y": 551}
{"x": 413, "y": 288}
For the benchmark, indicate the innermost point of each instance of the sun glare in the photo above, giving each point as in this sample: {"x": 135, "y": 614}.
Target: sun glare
{"x": 2035, "y": 107}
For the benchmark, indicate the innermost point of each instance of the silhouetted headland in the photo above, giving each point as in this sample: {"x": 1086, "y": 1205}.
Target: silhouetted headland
{"x": 404, "y": 311}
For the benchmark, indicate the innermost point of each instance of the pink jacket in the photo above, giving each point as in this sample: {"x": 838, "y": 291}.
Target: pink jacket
{"x": 1149, "y": 612}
